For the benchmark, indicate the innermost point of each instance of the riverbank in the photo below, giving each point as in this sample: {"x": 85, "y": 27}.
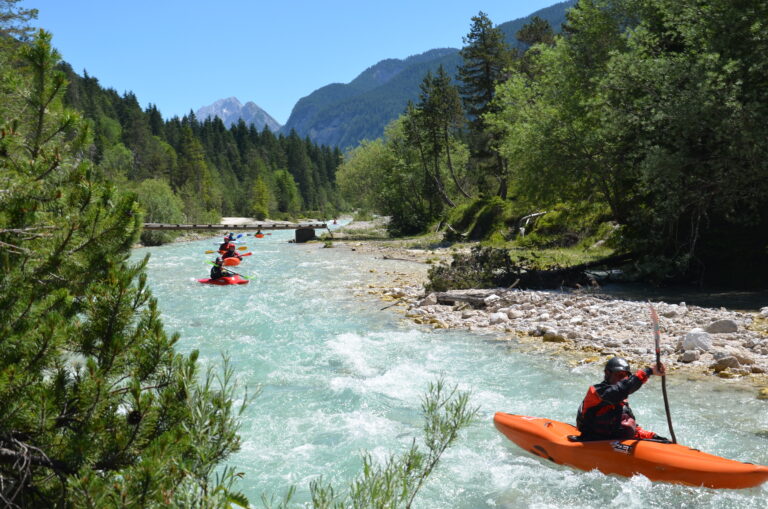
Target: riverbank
{"x": 579, "y": 326}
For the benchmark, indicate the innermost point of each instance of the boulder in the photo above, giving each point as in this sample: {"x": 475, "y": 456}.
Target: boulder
{"x": 724, "y": 363}
{"x": 722, "y": 327}
{"x": 553, "y": 337}
{"x": 429, "y": 300}
{"x": 690, "y": 356}
{"x": 764, "y": 312}
{"x": 495, "y": 318}
{"x": 696, "y": 339}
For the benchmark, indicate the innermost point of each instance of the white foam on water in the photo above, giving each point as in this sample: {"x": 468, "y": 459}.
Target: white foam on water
{"x": 354, "y": 350}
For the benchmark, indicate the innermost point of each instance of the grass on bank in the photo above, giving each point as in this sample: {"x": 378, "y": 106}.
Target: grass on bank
{"x": 564, "y": 235}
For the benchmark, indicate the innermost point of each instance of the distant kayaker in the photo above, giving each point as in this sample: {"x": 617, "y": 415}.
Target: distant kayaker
{"x": 217, "y": 271}
{"x": 605, "y": 413}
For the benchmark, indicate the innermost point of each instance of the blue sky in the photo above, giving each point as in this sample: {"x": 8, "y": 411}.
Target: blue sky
{"x": 184, "y": 54}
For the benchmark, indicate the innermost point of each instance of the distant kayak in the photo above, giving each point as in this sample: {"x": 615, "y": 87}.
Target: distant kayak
{"x": 657, "y": 461}
{"x": 228, "y": 280}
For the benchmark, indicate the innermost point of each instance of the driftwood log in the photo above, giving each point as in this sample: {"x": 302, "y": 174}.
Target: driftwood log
{"x": 475, "y": 298}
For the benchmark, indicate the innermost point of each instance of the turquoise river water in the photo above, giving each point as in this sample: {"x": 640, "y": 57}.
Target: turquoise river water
{"x": 339, "y": 376}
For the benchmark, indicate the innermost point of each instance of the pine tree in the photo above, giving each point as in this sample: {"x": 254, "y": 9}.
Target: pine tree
{"x": 485, "y": 58}
{"x": 96, "y": 407}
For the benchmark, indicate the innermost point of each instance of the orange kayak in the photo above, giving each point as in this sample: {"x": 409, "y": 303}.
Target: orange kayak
{"x": 657, "y": 461}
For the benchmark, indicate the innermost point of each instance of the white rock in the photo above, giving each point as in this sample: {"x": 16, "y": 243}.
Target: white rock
{"x": 491, "y": 299}
{"x": 764, "y": 312}
{"x": 515, "y": 314}
{"x": 697, "y": 339}
{"x": 495, "y": 318}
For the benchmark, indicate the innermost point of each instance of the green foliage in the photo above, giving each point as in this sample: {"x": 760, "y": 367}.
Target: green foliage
{"x": 657, "y": 113}
{"x": 482, "y": 218}
{"x": 568, "y": 224}
{"x": 14, "y": 21}
{"x": 286, "y": 193}
{"x": 486, "y": 58}
{"x": 96, "y": 407}
{"x": 483, "y": 267}
{"x": 160, "y": 205}
{"x": 260, "y": 200}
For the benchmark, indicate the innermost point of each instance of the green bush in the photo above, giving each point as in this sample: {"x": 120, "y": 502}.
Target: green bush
{"x": 160, "y": 205}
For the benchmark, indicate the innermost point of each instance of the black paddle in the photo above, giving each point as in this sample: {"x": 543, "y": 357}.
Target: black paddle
{"x": 657, "y": 338}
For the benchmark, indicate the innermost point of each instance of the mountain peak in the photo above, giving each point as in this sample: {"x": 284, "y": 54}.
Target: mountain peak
{"x": 231, "y": 110}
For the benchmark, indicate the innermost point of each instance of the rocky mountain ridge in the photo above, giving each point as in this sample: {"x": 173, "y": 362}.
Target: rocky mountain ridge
{"x": 231, "y": 110}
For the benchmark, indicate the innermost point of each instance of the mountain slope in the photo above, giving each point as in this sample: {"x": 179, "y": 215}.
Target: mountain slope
{"x": 345, "y": 114}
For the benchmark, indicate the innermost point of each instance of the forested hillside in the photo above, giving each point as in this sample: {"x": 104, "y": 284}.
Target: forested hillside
{"x": 642, "y": 127}
{"x": 202, "y": 171}
{"x": 344, "y": 114}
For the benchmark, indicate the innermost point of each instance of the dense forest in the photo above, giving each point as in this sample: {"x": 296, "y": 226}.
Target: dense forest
{"x": 642, "y": 126}
{"x": 202, "y": 169}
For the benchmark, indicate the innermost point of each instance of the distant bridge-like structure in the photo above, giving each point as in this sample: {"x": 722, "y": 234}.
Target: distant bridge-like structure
{"x": 304, "y": 231}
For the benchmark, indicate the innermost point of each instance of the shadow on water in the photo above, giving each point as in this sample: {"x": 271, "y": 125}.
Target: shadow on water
{"x": 739, "y": 300}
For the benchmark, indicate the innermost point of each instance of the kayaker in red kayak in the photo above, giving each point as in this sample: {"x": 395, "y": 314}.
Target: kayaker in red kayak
{"x": 217, "y": 271}
{"x": 605, "y": 412}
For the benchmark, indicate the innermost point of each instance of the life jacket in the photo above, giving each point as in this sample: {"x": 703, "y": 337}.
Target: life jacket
{"x": 605, "y": 406}
{"x": 231, "y": 254}
{"x": 216, "y": 272}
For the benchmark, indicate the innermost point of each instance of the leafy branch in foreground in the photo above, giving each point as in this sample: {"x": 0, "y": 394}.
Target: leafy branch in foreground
{"x": 397, "y": 481}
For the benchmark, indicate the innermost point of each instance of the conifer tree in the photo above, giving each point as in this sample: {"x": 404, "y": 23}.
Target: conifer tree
{"x": 485, "y": 59}
{"x": 96, "y": 407}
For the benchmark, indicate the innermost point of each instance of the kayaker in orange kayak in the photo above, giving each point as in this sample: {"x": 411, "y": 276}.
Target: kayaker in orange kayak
{"x": 231, "y": 253}
{"x": 605, "y": 412}
{"x": 217, "y": 271}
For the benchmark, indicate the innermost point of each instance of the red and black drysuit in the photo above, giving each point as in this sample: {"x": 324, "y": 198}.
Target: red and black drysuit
{"x": 231, "y": 253}
{"x": 224, "y": 246}
{"x": 605, "y": 413}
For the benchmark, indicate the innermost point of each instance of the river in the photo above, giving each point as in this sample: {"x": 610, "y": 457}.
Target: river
{"x": 339, "y": 376}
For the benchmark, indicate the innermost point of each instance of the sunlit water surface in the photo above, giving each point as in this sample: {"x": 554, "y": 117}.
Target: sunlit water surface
{"x": 340, "y": 375}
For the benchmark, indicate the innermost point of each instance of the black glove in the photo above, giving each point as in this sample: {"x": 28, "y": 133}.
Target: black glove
{"x": 660, "y": 438}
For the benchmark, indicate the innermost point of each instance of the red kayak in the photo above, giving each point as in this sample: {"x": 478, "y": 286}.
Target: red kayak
{"x": 222, "y": 281}
{"x": 668, "y": 462}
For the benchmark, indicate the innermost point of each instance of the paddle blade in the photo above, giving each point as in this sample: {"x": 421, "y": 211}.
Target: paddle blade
{"x": 242, "y": 248}
{"x": 210, "y": 252}
{"x": 246, "y": 254}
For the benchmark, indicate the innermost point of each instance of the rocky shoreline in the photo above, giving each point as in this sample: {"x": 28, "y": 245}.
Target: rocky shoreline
{"x": 581, "y": 326}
